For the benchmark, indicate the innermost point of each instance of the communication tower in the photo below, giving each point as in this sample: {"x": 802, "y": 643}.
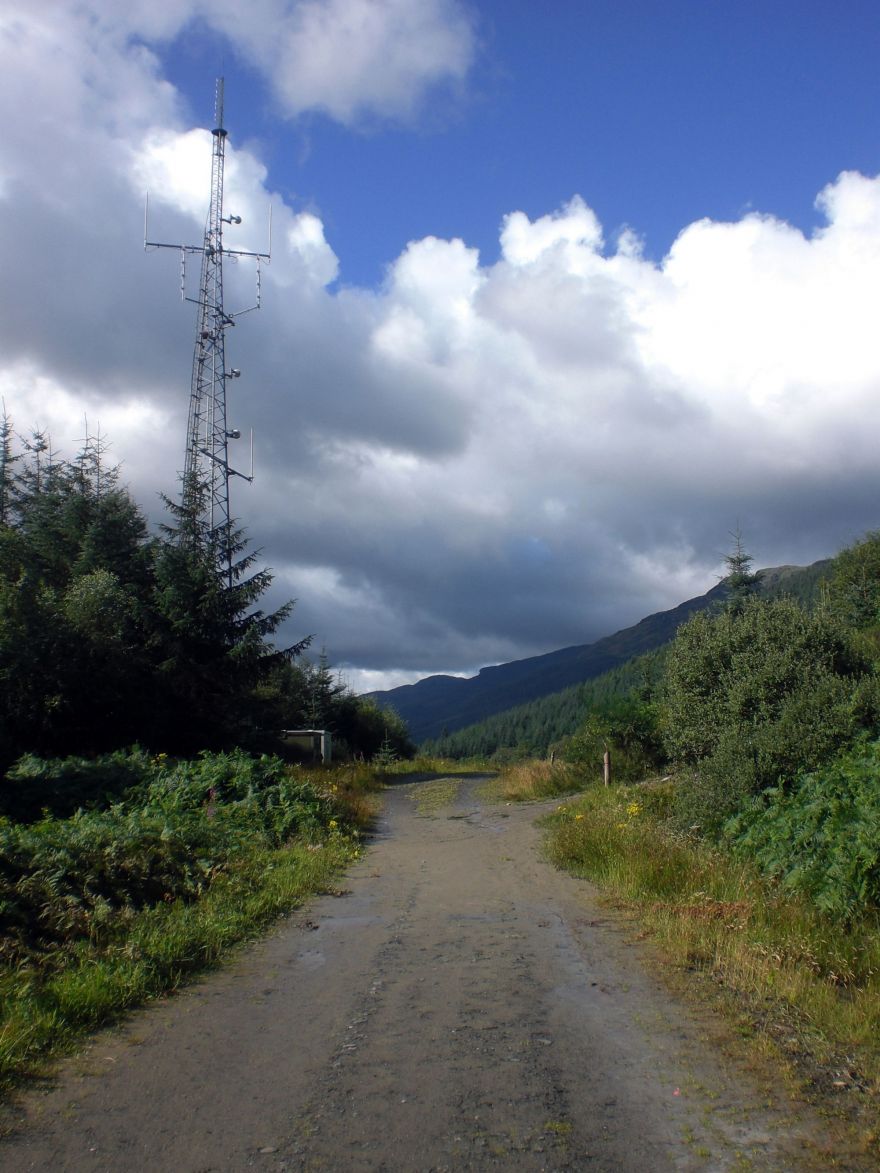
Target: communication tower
{"x": 207, "y": 471}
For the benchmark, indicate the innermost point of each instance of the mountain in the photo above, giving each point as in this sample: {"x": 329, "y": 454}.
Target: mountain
{"x": 441, "y": 704}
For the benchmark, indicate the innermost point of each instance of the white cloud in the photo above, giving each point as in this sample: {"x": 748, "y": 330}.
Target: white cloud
{"x": 473, "y": 462}
{"x": 570, "y": 235}
{"x": 350, "y": 58}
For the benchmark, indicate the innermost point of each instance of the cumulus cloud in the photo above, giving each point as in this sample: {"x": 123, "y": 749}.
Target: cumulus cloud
{"x": 354, "y": 58}
{"x": 473, "y": 462}
{"x": 349, "y": 59}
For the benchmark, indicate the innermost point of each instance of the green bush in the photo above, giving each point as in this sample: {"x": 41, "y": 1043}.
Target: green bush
{"x": 821, "y": 838}
{"x": 59, "y": 786}
{"x": 628, "y": 728}
{"x": 753, "y": 698}
{"x": 65, "y": 879}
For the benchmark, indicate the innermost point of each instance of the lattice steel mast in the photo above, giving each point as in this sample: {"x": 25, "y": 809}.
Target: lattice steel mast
{"x": 207, "y": 471}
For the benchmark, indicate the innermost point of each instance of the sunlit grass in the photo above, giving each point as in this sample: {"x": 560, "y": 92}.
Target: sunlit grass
{"x": 427, "y": 764}
{"x": 807, "y": 978}
{"x": 534, "y": 780}
{"x": 434, "y": 795}
{"x": 49, "y": 1003}
{"x": 355, "y": 788}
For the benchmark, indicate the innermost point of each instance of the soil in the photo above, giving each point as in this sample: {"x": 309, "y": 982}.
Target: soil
{"x": 460, "y": 1005}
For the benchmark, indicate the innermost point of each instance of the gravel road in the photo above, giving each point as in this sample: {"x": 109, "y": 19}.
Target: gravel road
{"x": 460, "y": 1005}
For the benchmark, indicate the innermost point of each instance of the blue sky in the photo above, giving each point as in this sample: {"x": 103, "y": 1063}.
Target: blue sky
{"x": 658, "y": 114}
{"x": 560, "y": 294}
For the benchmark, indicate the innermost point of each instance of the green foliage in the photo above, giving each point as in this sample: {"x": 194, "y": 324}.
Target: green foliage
{"x": 627, "y": 727}
{"x": 365, "y": 729}
{"x": 536, "y": 728}
{"x": 108, "y": 636}
{"x": 179, "y": 825}
{"x": 58, "y": 787}
{"x": 213, "y": 637}
{"x": 853, "y": 589}
{"x": 821, "y": 836}
{"x": 753, "y": 697}
{"x": 49, "y": 998}
{"x": 741, "y": 581}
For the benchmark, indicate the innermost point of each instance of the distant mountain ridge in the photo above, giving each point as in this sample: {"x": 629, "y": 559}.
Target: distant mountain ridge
{"x": 442, "y": 704}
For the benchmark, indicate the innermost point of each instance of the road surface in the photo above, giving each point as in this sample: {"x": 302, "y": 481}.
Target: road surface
{"x": 460, "y": 1005}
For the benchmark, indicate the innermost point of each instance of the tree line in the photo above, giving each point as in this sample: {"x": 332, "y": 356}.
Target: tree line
{"x": 112, "y": 635}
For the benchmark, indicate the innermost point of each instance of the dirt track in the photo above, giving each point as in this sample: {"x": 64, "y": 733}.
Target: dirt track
{"x": 460, "y": 1006}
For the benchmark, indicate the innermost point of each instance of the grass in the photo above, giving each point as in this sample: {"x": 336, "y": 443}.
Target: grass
{"x": 54, "y": 991}
{"x": 531, "y": 781}
{"x": 792, "y": 976}
{"x": 431, "y": 797}
{"x": 427, "y": 764}
{"x": 52, "y": 1002}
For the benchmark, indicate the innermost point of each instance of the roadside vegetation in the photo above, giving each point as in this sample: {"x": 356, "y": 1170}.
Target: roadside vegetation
{"x": 121, "y": 901}
{"x": 802, "y": 979}
{"x": 742, "y": 825}
{"x": 125, "y": 870}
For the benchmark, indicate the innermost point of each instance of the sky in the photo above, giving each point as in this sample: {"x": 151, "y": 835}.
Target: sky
{"x": 560, "y": 294}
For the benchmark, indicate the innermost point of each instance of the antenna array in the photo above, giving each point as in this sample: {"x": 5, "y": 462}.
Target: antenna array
{"x": 207, "y": 471}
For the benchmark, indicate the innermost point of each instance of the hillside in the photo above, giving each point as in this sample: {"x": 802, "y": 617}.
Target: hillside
{"x": 532, "y": 729}
{"x": 442, "y": 704}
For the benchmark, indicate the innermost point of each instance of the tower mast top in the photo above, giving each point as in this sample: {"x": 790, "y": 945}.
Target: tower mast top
{"x": 218, "y": 108}
{"x": 207, "y": 471}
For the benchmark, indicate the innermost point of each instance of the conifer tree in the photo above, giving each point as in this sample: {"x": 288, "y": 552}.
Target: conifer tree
{"x": 740, "y": 580}
{"x": 211, "y": 633}
{"x": 8, "y": 459}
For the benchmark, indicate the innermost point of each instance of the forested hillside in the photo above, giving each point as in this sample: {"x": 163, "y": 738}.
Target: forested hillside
{"x": 436, "y": 708}
{"x": 532, "y": 729}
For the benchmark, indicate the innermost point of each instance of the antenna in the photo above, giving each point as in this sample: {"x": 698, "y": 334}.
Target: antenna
{"x": 206, "y": 462}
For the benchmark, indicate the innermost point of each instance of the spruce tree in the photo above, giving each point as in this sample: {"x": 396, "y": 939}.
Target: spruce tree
{"x": 740, "y": 580}
{"x": 211, "y": 635}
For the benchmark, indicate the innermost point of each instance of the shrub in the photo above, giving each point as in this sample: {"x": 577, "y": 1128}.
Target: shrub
{"x": 60, "y": 786}
{"x": 181, "y": 824}
{"x": 756, "y": 697}
{"x": 821, "y": 837}
{"x": 627, "y": 727}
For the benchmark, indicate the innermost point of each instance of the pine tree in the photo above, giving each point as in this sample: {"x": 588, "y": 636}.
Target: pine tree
{"x": 211, "y": 636}
{"x": 740, "y": 580}
{"x": 8, "y": 460}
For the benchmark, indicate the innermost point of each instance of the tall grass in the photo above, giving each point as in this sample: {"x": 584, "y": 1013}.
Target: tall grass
{"x": 431, "y": 764}
{"x": 801, "y": 972}
{"x": 533, "y": 780}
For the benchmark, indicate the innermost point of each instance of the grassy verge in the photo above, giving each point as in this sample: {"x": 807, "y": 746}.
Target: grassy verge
{"x": 532, "y": 781}
{"x": 427, "y": 765}
{"x": 800, "y": 983}
{"x": 51, "y": 1002}
{"x": 96, "y": 919}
